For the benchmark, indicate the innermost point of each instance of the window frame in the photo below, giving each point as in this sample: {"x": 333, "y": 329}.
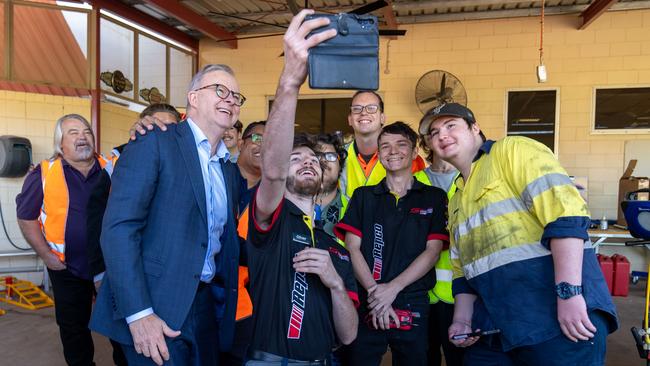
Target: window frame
{"x": 614, "y": 131}
{"x": 349, "y": 95}
{"x": 556, "y": 129}
{"x": 136, "y": 63}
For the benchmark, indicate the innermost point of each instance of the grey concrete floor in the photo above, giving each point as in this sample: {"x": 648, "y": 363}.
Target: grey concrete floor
{"x": 32, "y": 338}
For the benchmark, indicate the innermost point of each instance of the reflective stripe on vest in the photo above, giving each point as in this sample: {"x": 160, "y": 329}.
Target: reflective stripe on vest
{"x": 56, "y": 201}
{"x": 244, "y": 303}
{"x": 112, "y": 161}
{"x": 442, "y": 290}
{"x": 355, "y": 177}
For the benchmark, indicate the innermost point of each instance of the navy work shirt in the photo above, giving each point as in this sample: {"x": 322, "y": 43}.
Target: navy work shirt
{"x": 30, "y": 200}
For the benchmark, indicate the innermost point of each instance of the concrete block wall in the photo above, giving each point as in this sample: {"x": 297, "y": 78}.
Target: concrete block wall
{"x": 491, "y": 57}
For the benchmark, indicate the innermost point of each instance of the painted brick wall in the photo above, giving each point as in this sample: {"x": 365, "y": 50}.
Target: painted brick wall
{"x": 491, "y": 57}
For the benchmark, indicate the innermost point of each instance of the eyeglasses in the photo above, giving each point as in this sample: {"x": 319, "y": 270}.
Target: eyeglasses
{"x": 256, "y": 138}
{"x": 329, "y": 156}
{"x": 370, "y": 108}
{"x": 223, "y": 92}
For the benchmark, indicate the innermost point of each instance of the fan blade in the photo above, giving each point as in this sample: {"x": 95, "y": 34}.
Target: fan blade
{"x": 428, "y": 100}
{"x": 392, "y": 32}
{"x": 293, "y": 6}
{"x": 368, "y": 8}
{"x": 442, "y": 85}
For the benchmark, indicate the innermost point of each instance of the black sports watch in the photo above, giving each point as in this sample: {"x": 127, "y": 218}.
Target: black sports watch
{"x": 565, "y": 291}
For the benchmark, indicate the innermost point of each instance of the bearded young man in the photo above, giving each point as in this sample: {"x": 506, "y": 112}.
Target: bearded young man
{"x": 300, "y": 279}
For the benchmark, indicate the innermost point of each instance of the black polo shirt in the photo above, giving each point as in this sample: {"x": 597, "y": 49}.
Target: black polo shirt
{"x": 395, "y": 231}
{"x": 292, "y": 311}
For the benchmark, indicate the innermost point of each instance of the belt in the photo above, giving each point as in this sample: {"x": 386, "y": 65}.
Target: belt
{"x": 271, "y": 358}
{"x": 202, "y": 285}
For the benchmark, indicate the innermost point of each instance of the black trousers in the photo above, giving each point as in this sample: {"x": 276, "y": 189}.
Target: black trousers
{"x": 241, "y": 340}
{"x": 440, "y": 317}
{"x": 408, "y": 347}
{"x": 73, "y": 298}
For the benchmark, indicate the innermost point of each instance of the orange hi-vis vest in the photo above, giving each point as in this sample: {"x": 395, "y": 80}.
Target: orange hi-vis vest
{"x": 56, "y": 201}
{"x": 244, "y": 303}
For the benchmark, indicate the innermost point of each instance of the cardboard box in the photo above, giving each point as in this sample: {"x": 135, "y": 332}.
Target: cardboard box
{"x": 627, "y": 184}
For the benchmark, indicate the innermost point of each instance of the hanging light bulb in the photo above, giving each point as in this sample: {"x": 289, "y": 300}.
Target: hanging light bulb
{"x": 541, "y": 69}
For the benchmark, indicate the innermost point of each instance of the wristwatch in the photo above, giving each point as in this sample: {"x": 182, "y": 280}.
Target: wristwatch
{"x": 565, "y": 291}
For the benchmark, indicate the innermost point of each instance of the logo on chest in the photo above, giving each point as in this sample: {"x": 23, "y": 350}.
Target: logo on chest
{"x": 301, "y": 238}
{"x": 422, "y": 211}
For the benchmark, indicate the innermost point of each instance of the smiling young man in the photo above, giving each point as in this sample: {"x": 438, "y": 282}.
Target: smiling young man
{"x": 394, "y": 231}
{"x": 232, "y": 138}
{"x": 363, "y": 166}
{"x": 520, "y": 252}
{"x": 300, "y": 279}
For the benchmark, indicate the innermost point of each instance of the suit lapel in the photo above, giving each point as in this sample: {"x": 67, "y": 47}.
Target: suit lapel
{"x": 226, "y": 167}
{"x": 187, "y": 146}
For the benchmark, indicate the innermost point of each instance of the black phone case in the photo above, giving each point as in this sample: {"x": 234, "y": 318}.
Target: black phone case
{"x": 351, "y": 59}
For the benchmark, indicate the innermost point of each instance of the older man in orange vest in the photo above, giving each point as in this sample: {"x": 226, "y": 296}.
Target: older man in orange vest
{"x": 51, "y": 211}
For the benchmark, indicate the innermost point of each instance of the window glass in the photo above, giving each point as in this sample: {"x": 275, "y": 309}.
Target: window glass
{"x": 622, "y": 109}
{"x": 532, "y": 114}
{"x": 117, "y": 59}
{"x": 152, "y": 66}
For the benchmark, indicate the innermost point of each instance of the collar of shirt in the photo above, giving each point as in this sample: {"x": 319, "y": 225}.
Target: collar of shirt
{"x": 382, "y": 187}
{"x": 202, "y": 142}
{"x": 484, "y": 149}
{"x": 94, "y": 169}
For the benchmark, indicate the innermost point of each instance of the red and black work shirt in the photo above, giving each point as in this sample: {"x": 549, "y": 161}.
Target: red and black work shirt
{"x": 394, "y": 231}
{"x": 292, "y": 311}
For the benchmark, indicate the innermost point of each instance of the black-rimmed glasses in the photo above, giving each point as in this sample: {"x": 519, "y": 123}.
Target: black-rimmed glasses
{"x": 329, "y": 156}
{"x": 370, "y": 108}
{"x": 223, "y": 92}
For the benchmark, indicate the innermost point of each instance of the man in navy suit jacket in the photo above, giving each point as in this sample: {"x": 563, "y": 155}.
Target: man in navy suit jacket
{"x": 169, "y": 236}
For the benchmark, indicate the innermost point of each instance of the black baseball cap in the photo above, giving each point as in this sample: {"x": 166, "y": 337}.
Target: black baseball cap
{"x": 443, "y": 110}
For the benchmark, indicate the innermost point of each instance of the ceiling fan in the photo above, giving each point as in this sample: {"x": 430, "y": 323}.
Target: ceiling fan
{"x": 295, "y": 9}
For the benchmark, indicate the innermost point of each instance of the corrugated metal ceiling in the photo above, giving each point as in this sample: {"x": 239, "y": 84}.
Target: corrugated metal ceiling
{"x": 277, "y": 12}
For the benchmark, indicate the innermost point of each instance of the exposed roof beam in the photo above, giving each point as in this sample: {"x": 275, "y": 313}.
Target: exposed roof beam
{"x": 147, "y": 21}
{"x": 595, "y": 9}
{"x": 184, "y": 14}
{"x": 389, "y": 17}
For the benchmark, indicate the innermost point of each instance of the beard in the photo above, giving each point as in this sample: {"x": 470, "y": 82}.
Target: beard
{"x": 307, "y": 188}
{"x": 84, "y": 152}
{"x": 330, "y": 185}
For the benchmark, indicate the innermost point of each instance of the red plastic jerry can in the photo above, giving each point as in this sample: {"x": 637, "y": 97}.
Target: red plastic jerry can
{"x": 607, "y": 266}
{"x": 621, "y": 275}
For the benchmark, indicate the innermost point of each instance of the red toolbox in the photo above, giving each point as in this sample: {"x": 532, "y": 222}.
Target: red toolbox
{"x": 621, "y": 275}
{"x": 607, "y": 266}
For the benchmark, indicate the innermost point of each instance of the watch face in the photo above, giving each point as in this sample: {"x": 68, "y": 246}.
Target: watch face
{"x": 565, "y": 290}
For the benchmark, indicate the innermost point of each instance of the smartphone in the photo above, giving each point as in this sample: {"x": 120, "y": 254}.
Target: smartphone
{"x": 458, "y": 337}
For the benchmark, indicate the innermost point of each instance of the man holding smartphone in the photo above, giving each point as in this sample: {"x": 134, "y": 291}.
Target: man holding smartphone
{"x": 301, "y": 280}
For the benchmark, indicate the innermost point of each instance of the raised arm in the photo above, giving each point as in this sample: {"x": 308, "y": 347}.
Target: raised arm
{"x": 278, "y": 136}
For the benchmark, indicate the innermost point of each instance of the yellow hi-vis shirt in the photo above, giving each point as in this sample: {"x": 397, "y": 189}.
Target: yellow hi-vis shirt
{"x": 501, "y": 220}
